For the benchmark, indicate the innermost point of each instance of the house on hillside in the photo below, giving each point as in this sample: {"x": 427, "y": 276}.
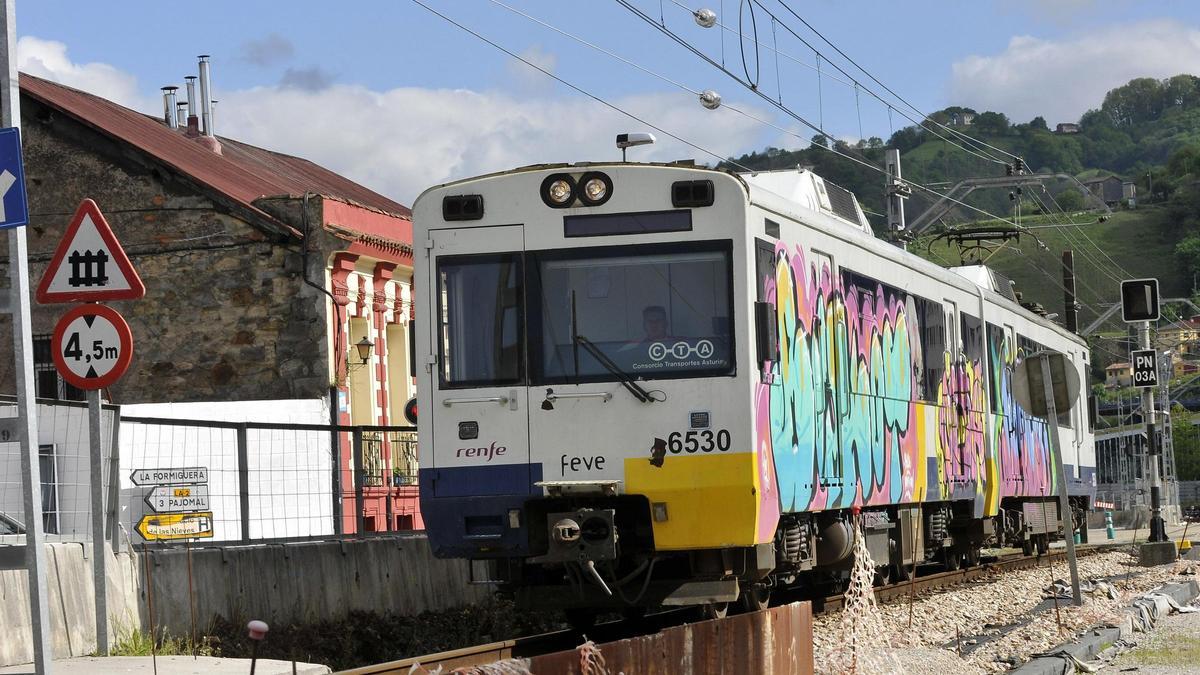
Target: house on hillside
{"x": 266, "y": 275}
{"x": 1118, "y": 375}
{"x": 1106, "y": 188}
{"x": 1066, "y": 128}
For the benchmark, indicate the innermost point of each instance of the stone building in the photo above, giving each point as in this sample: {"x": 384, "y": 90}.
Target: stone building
{"x": 262, "y": 270}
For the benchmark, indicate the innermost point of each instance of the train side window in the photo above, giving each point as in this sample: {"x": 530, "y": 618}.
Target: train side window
{"x": 996, "y": 364}
{"x": 932, "y": 353}
{"x": 764, "y": 264}
{"x": 972, "y": 338}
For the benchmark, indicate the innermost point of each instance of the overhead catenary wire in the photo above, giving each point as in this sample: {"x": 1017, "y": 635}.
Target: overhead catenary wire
{"x": 576, "y": 88}
{"x": 793, "y": 114}
{"x": 853, "y": 82}
{"x": 888, "y": 89}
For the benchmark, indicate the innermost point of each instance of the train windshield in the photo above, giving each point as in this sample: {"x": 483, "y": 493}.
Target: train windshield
{"x": 652, "y": 311}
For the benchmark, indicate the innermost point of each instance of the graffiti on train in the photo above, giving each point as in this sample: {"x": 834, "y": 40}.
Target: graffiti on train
{"x": 844, "y": 417}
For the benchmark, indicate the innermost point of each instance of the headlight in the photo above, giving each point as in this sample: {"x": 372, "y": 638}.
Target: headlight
{"x": 597, "y": 188}
{"x": 558, "y": 190}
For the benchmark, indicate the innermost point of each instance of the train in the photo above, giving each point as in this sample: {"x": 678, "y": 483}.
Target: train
{"x": 650, "y": 385}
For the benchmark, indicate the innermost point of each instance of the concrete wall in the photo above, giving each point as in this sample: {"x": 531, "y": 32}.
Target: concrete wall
{"x": 70, "y": 601}
{"x": 296, "y": 583}
{"x": 280, "y": 584}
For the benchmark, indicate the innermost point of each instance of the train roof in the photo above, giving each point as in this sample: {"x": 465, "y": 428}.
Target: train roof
{"x": 798, "y": 193}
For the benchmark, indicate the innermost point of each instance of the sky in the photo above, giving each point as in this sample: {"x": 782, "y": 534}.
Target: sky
{"x": 398, "y": 99}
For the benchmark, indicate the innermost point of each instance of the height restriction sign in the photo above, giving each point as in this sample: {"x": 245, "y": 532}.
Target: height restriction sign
{"x": 92, "y": 346}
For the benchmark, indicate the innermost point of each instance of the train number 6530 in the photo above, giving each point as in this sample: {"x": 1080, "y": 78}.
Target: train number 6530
{"x": 705, "y": 440}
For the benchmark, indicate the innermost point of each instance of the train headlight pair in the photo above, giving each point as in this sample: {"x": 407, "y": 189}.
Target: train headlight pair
{"x": 560, "y": 190}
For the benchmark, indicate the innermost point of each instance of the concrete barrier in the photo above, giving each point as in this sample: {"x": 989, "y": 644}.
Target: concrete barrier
{"x": 307, "y": 582}
{"x": 70, "y": 601}
{"x": 281, "y": 584}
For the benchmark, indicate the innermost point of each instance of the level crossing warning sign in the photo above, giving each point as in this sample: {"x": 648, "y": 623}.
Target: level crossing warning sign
{"x": 89, "y": 264}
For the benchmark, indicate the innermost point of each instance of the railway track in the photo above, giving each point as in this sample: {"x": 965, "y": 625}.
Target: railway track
{"x": 546, "y": 643}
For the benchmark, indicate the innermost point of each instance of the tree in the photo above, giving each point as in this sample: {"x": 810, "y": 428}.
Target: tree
{"x": 989, "y": 122}
{"x": 820, "y": 140}
{"x": 1039, "y": 122}
{"x": 1070, "y": 200}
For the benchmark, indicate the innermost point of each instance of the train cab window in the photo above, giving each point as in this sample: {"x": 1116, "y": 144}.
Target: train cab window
{"x": 764, "y": 266}
{"x": 648, "y": 311}
{"x": 481, "y": 320}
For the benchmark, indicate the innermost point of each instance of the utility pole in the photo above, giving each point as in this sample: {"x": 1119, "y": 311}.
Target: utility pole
{"x": 1158, "y": 532}
{"x": 895, "y": 191}
{"x": 18, "y": 308}
{"x": 1070, "y": 306}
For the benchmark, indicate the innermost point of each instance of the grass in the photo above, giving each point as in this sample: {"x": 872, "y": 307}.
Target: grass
{"x": 1171, "y": 650}
{"x": 137, "y": 642}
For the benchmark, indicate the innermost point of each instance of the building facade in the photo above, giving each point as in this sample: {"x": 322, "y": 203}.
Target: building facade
{"x": 263, "y": 271}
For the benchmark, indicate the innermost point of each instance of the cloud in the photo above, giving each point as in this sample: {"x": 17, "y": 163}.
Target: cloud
{"x": 267, "y": 51}
{"x": 310, "y": 79}
{"x": 48, "y": 59}
{"x": 526, "y": 77}
{"x": 403, "y": 140}
{"x": 1061, "y": 79}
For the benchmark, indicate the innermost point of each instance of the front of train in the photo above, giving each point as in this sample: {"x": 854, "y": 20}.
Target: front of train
{"x": 585, "y": 383}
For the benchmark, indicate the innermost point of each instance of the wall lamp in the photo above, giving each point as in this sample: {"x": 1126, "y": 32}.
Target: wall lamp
{"x": 364, "y": 347}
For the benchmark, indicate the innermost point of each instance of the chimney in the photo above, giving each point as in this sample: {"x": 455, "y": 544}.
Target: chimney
{"x": 169, "y": 106}
{"x": 205, "y": 96}
{"x": 212, "y": 111}
{"x": 181, "y": 114}
{"x": 190, "y": 82}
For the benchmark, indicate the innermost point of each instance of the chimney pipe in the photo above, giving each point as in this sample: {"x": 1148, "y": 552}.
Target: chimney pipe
{"x": 169, "y": 106}
{"x": 212, "y": 111}
{"x": 190, "y": 82}
{"x": 181, "y": 114}
{"x": 205, "y": 96}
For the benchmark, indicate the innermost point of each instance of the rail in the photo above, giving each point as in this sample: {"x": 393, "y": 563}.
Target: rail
{"x": 551, "y": 648}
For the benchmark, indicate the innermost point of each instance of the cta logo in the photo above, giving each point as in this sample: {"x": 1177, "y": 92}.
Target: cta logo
{"x": 486, "y": 453}
{"x": 680, "y": 350}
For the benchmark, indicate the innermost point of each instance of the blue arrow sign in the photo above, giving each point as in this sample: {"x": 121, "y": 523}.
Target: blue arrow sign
{"x": 14, "y": 208}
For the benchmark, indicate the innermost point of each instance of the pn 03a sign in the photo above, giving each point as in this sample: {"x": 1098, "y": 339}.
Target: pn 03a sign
{"x": 1145, "y": 368}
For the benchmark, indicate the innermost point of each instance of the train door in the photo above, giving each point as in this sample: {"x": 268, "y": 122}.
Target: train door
{"x": 479, "y": 395}
{"x": 830, "y": 379}
{"x": 954, "y": 461}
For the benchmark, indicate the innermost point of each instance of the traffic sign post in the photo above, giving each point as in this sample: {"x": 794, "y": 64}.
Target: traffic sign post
{"x": 1043, "y": 383}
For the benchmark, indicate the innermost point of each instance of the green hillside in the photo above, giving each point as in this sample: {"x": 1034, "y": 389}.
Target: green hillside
{"x": 1129, "y": 244}
{"x": 1146, "y": 131}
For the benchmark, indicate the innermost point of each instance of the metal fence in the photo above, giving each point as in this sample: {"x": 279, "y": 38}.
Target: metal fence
{"x": 64, "y": 463}
{"x": 258, "y": 482}
{"x": 248, "y": 481}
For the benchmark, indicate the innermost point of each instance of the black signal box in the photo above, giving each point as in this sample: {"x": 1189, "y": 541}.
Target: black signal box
{"x": 1139, "y": 300}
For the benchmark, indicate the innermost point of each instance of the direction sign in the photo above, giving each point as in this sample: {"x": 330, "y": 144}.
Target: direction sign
{"x": 191, "y": 475}
{"x": 92, "y": 346}
{"x": 169, "y": 526}
{"x": 14, "y": 209}
{"x": 96, "y": 267}
{"x": 178, "y": 498}
{"x": 1145, "y": 367}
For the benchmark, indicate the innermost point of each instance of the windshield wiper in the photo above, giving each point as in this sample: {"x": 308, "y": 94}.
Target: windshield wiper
{"x": 623, "y": 377}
